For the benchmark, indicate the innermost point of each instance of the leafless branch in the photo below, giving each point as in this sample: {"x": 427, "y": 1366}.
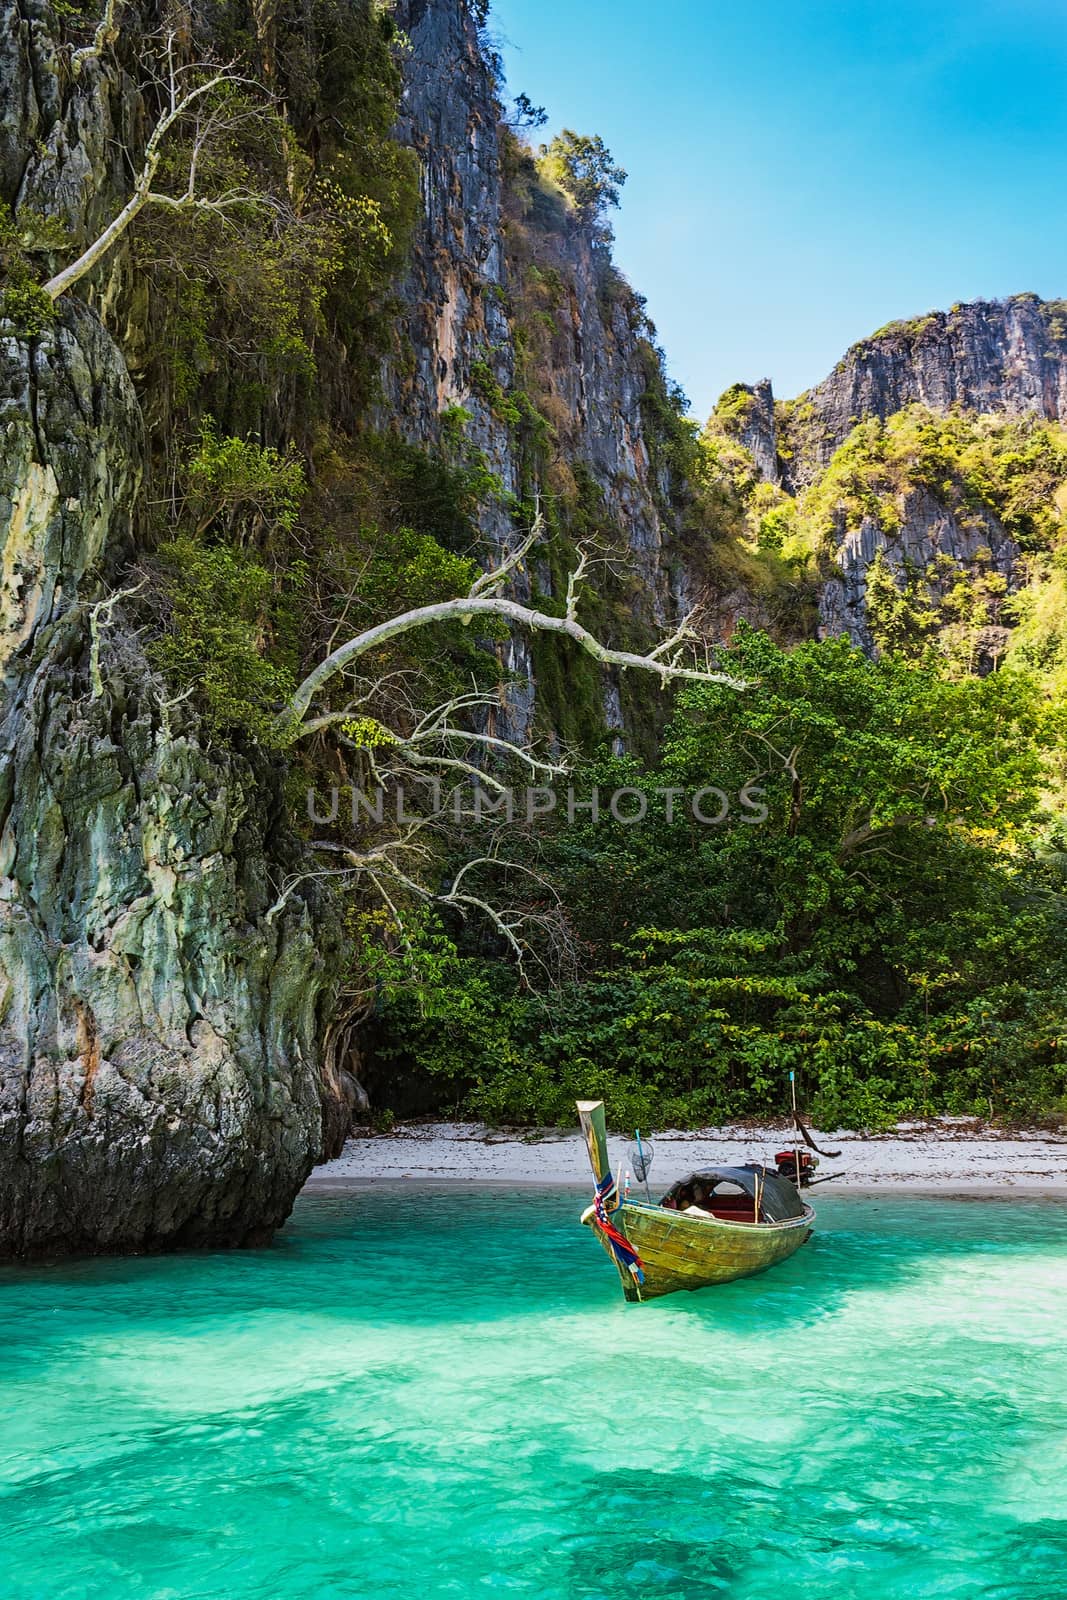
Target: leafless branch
{"x": 290, "y": 723}
{"x": 98, "y": 612}
{"x": 182, "y": 95}
{"x": 574, "y": 582}
{"x": 490, "y": 582}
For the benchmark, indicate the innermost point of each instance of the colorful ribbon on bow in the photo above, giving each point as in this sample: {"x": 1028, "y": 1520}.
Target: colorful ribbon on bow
{"x": 621, "y": 1248}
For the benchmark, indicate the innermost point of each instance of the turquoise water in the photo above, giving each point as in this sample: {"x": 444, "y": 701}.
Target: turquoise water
{"x": 442, "y": 1393}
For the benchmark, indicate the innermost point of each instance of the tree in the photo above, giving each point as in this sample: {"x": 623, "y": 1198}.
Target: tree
{"x": 666, "y": 661}
{"x": 256, "y": 235}
{"x": 203, "y": 100}
{"x": 584, "y": 168}
{"x": 440, "y": 743}
{"x": 526, "y": 114}
{"x": 886, "y": 928}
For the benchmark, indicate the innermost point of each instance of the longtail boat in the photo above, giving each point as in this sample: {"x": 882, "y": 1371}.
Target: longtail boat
{"x": 711, "y": 1227}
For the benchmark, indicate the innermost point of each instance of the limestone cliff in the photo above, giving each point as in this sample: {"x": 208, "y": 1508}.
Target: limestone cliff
{"x": 493, "y": 253}
{"x": 159, "y": 1027}
{"x": 1006, "y": 356}
{"x": 165, "y": 964}
{"x": 930, "y": 538}
{"x": 161, "y": 1012}
{"x": 928, "y": 556}
{"x": 515, "y": 321}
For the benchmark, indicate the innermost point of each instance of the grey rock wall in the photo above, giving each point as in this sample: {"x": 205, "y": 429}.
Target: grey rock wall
{"x": 759, "y": 432}
{"x": 161, "y": 1015}
{"x": 932, "y": 546}
{"x": 993, "y": 355}
{"x": 160, "y": 1077}
{"x": 459, "y": 295}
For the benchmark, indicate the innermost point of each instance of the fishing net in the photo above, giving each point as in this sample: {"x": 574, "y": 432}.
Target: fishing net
{"x": 640, "y": 1159}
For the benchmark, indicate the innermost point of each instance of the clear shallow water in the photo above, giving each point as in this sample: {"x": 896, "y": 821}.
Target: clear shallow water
{"x": 442, "y": 1393}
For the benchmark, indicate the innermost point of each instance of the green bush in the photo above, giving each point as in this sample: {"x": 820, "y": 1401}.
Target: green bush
{"x": 23, "y": 302}
{"x": 218, "y": 637}
{"x": 584, "y": 168}
{"x": 242, "y": 487}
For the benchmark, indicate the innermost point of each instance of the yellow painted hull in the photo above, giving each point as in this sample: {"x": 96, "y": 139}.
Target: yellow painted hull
{"x": 680, "y": 1252}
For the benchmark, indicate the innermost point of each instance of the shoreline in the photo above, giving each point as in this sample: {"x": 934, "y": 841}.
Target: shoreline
{"x": 950, "y": 1157}
{"x": 985, "y": 1192}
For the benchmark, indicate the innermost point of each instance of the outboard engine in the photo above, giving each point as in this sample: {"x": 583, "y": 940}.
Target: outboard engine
{"x": 786, "y": 1163}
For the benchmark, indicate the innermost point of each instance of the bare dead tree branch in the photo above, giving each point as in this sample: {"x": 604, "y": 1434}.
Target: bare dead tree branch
{"x": 574, "y": 582}
{"x": 290, "y": 723}
{"x": 98, "y": 613}
{"x": 182, "y": 94}
{"x": 490, "y": 582}
{"x": 509, "y": 922}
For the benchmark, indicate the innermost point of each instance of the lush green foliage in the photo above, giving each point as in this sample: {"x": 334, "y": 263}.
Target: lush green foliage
{"x": 244, "y": 300}
{"x": 248, "y": 489}
{"x": 584, "y": 168}
{"x": 894, "y": 930}
{"x": 888, "y": 930}
{"x": 263, "y": 571}
{"x": 1039, "y": 614}
{"x": 1010, "y": 468}
{"x": 23, "y": 303}
{"x": 222, "y": 616}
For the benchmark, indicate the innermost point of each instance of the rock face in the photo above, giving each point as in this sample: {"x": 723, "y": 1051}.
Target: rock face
{"x": 159, "y": 1022}
{"x": 932, "y": 548}
{"x": 516, "y": 325}
{"x": 993, "y": 355}
{"x": 162, "y": 1004}
{"x": 1006, "y": 357}
{"x": 452, "y": 298}
{"x": 758, "y": 431}
{"x": 64, "y": 135}
{"x": 499, "y": 266}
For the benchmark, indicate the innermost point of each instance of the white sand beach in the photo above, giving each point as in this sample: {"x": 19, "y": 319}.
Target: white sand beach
{"x": 950, "y": 1156}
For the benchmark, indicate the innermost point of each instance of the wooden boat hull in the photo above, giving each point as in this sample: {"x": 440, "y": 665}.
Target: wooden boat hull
{"x": 680, "y": 1252}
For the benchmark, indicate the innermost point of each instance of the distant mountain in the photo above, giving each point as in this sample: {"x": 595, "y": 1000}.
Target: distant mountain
{"x": 927, "y": 479}
{"x": 1005, "y": 356}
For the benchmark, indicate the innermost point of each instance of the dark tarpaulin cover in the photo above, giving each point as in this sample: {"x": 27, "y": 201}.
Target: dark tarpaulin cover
{"x": 779, "y": 1200}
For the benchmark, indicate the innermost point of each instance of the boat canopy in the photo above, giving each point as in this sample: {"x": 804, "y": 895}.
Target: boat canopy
{"x": 779, "y": 1200}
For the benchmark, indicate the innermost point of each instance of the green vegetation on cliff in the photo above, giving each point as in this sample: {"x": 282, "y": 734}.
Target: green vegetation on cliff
{"x": 584, "y": 169}
{"x": 892, "y": 926}
{"x": 1013, "y": 468}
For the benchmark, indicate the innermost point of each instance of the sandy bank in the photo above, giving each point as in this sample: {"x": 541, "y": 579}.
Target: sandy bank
{"x": 952, "y": 1156}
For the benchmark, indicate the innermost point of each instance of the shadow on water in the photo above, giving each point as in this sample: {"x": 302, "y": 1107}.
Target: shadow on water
{"x": 687, "y": 1536}
{"x": 885, "y": 1242}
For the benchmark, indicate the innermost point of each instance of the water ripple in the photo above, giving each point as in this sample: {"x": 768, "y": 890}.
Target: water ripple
{"x": 429, "y": 1394}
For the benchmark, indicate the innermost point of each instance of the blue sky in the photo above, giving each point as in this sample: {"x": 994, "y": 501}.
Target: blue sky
{"x": 802, "y": 172}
